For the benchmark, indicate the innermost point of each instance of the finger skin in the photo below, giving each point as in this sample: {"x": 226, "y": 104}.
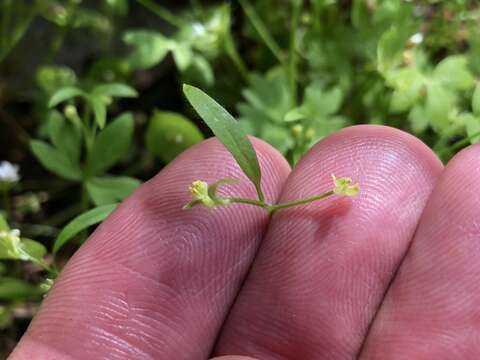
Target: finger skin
{"x": 155, "y": 281}
{"x": 233, "y": 357}
{"x": 432, "y": 309}
{"x": 322, "y": 269}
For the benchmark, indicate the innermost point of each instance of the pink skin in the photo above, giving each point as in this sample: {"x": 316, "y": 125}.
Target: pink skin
{"x": 331, "y": 280}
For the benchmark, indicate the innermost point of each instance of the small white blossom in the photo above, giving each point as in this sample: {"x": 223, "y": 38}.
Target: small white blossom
{"x": 199, "y": 29}
{"x": 8, "y": 172}
{"x": 14, "y": 233}
{"x": 416, "y": 39}
{"x": 11, "y": 242}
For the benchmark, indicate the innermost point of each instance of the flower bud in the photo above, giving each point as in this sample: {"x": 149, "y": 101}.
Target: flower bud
{"x": 345, "y": 186}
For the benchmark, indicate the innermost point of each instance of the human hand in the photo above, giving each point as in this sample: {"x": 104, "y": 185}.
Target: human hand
{"x": 385, "y": 275}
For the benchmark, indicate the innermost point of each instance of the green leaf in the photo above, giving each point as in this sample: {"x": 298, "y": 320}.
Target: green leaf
{"x": 111, "y": 145}
{"x": 65, "y": 136}
{"x": 440, "y": 104}
{"x": 418, "y": 119}
{"x": 115, "y": 90}
{"x": 3, "y": 224}
{"x": 183, "y": 55}
{"x": 14, "y": 248}
{"x": 12, "y": 289}
{"x": 64, "y": 94}
{"x": 390, "y": 47}
{"x": 320, "y": 102}
{"x": 472, "y": 126}
{"x": 99, "y": 110}
{"x": 52, "y": 77}
{"x": 108, "y": 190}
{"x": 35, "y": 250}
{"x": 476, "y": 100}
{"x": 82, "y": 222}
{"x": 454, "y": 73}
{"x": 202, "y": 70}
{"x": 150, "y": 48}
{"x": 226, "y": 128}
{"x": 169, "y": 134}
{"x": 268, "y": 97}
{"x": 277, "y": 136}
{"x": 295, "y": 114}
{"x": 408, "y": 83}
{"x": 55, "y": 161}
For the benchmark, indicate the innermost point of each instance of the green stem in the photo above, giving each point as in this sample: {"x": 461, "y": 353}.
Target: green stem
{"x": 261, "y": 197}
{"x": 317, "y": 12}
{"x": 235, "y": 57}
{"x": 262, "y": 30}
{"x": 84, "y": 199}
{"x": 86, "y": 125}
{"x": 6, "y": 202}
{"x": 162, "y": 13}
{"x": 459, "y": 144}
{"x": 292, "y": 55}
{"x": 272, "y": 208}
{"x": 301, "y": 201}
{"x": 250, "y": 202}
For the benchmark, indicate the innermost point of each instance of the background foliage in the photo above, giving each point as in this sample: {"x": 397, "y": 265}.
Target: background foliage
{"x": 91, "y": 102}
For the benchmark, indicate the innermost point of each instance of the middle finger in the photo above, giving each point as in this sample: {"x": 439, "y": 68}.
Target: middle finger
{"x": 323, "y": 269}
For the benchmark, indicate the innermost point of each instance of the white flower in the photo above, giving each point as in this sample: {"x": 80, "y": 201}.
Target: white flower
{"x": 199, "y": 29}
{"x": 8, "y": 172}
{"x": 416, "y": 39}
{"x": 14, "y": 233}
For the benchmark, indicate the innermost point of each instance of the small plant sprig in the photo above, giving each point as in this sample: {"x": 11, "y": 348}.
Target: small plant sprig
{"x": 232, "y": 136}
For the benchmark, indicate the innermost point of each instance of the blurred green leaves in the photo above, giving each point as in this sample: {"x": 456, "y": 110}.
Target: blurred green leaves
{"x": 13, "y": 247}
{"x": 111, "y": 145}
{"x": 194, "y": 46}
{"x": 56, "y": 161}
{"x": 97, "y": 99}
{"x": 169, "y": 133}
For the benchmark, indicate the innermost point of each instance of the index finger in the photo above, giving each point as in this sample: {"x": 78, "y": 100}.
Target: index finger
{"x": 155, "y": 281}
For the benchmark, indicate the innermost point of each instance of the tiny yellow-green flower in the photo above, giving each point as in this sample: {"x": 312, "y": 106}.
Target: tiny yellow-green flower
{"x": 345, "y": 186}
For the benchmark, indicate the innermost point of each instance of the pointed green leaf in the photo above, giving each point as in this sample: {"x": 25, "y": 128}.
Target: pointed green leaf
{"x": 115, "y": 90}
{"x": 182, "y": 54}
{"x": 35, "y": 250}
{"x": 65, "y": 136}
{"x": 111, "y": 145}
{"x": 64, "y": 94}
{"x": 108, "y": 190}
{"x": 150, "y": 48}
{"x": 55, "y": 160}
{"x": 295, "y": 114}
{"x": 99, "y": 110}
{"x": 228, "y": 131}
{"x": 82, "y": 222}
